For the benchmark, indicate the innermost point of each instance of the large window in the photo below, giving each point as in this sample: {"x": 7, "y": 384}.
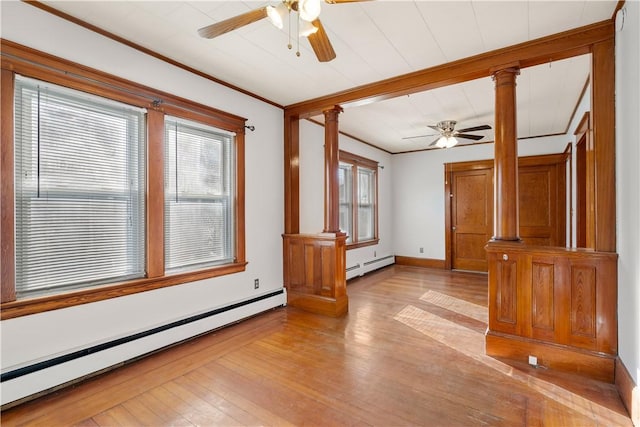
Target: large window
{"x": 198, "y": 219}
{"x": 358, "y": 180}
{"x": 110, "y": 188}
{"x": 79, "y": 189}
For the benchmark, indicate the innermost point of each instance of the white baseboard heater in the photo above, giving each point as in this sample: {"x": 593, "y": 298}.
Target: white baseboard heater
{"x": 31, "y": 380}
{"x": 360, "y": 269}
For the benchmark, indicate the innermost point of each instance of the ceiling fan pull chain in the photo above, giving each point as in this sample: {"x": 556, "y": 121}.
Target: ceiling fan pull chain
{"x": 289, "y": 19}
{"x": 298, "y": 35}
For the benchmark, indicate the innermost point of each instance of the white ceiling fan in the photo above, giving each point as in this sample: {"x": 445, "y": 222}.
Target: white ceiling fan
{"x": 308, "y": 23}
{"x": 447, "y": 134}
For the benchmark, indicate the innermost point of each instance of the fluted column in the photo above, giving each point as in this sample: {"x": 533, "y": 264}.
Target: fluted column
{"x": 506, "y": 223}
{"x": 331, "y": 169}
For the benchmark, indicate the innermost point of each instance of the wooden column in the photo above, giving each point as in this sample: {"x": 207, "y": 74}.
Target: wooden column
{"x": 291, "y": 174}
{"x": 506, "y": 227}
{"x": 331, "y": 166}
{"x": 601, "y": 209}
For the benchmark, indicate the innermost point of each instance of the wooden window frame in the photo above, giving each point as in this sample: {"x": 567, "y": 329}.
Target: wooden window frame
{"x": 18, "y": 59}
{"x": 358, "y": 161}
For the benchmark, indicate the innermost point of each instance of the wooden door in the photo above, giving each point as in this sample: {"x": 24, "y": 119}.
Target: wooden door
{"x": 542, "y": 200}
{"x": 542, "y": 207}
{"x": 471, "y": 217}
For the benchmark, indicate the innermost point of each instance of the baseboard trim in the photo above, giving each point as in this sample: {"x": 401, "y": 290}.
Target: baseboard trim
{"x": 420, "y": 262}
{"x": 563, "y": 358}
{"x": 628, "y": 390}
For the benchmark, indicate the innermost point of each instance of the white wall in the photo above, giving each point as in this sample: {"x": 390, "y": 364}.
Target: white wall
{"x": 312, "y": 191}
{"x": 628, "y": 185}
{"x": 29, "y": 339}
{"x": 419, "y": 201}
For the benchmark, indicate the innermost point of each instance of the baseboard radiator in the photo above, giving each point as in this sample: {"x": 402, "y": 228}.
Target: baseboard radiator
{"x": 365, "y": 267}
{"x": 26, "y": 382}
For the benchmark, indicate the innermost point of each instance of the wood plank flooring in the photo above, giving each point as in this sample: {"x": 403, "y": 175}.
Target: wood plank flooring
{"x": 410, "y": 352}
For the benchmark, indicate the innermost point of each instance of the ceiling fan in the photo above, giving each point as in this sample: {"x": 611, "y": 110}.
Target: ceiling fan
{"x": 447, "y": 134}
{"x": 309, "y": 24}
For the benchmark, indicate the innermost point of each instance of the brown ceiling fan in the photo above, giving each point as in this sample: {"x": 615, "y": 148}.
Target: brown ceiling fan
{"x": 446, "y": 138}
{"x": 309, "y": 23}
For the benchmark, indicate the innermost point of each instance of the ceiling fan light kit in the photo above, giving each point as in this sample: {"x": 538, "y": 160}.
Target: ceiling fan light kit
{"x": 307, "y": 19}
{"x": 276, "y": 14}
{"x": 449, "y": 135}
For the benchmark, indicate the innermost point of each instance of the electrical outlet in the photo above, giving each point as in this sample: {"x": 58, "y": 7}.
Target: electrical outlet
{"x": 256, "y": 283}
{"x": 533, "y": 361}
{"x": 421, "y": 250}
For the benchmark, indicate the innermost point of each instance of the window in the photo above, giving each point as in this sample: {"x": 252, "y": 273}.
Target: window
{"x": 198, "y": 219}
{"x": 79, "y": 189}
{"x": 83, "y": 174}
{"x": 358, "y": 182}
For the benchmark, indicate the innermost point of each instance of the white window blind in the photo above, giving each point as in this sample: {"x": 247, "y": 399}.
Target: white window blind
{"x": 366, "y": 201}
{"x": 199, "y": 193}
{"x": 79, "y": 189}
{"x": 345, "y": 186}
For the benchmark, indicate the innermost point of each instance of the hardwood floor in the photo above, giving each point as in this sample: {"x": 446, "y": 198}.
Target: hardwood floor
{"x": 410, "y": 352}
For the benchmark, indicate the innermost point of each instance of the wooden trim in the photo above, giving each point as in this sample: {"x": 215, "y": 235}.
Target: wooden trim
{"x": 420, "y": 262}
{"x": 628, "y": 390}
{"x": 316, "y": 122}
{"x": 25, "y": 307}
{"x": 575, "y": 107}
{"x": 568, "y": 151}
{"x": 347, "y": 157}
{"x": 154, "y": 201}
{"x": 584, "y": 125}
{"x": 291, "y": 175}
{"x": 603, "y": 121}
{"x": 551, "y": 48}
{"x": 356, "y": 160}
{"x": 619, "y": 6}
{"x": 7, "y": 248}
{"x": 363, "y": 244}
{"x": 448, "y": 195}
{"x": 143, "y": 49}
{"x": 43, "y": 66}
{"x": 568, "y": 359}
{"x": 240, "y": 249}
{"x": 32, "y": 63}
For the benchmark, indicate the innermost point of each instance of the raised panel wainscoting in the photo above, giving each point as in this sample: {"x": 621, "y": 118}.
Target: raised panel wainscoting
{"x": 556, "y": 304}
{"x": 315, "y": 273}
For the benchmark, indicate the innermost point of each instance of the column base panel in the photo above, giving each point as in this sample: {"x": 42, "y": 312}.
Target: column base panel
{"x": 327, "y": 306}
{"x": 553, "y": 356}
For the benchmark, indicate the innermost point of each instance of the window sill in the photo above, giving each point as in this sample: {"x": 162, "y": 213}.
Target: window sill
{"x": 362, "y": 244}
{"x": 41, "y": 304}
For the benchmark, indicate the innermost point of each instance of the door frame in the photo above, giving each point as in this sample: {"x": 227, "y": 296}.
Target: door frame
{"x": 450, "y": 168}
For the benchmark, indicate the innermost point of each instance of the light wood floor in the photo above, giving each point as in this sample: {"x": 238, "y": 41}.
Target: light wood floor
{"x": 410, "y": 352}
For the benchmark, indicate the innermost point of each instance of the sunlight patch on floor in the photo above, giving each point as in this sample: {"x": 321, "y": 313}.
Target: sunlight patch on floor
{"x": 457, "y": 305}
{"x": 471, "y": 344}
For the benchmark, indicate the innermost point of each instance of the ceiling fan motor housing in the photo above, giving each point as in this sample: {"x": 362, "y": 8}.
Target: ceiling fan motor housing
{"x": 447, "y": 126}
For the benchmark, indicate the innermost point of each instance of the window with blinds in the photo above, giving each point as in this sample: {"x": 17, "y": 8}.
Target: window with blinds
{"x": 199, "y": 189}
{"x": 357, "y": 179}
{"x": 79, "y": 189}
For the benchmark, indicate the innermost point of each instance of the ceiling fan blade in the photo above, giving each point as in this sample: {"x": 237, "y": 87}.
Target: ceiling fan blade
{"x": 219, "y": 28}
{"x": 468, "y": 136}
{"x": 434, "y": 127}
{"x": 321, "y": 44}
{"x": 418, "y": 136}
{"x": 435, "y": 141}
{"x": 475, "y": 128}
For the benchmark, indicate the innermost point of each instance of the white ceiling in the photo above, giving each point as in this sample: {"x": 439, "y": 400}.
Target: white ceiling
{"x": 373, "y": 40}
